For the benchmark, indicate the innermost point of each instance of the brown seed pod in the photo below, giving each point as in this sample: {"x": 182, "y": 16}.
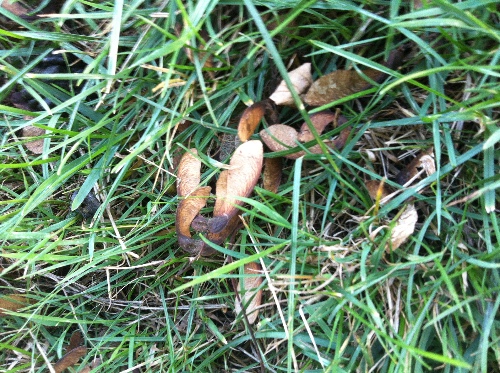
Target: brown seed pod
{"x": 319, "y": 121}
{"x": 187, "y": 210}
{"x": 189, "y": 174}
{"x": 238, "y": 181}
{"x": 301, "y": 79}
{"x": 252, "y": 298}
{"x": 271, "y": 179}
{"x": 250, "y": 119}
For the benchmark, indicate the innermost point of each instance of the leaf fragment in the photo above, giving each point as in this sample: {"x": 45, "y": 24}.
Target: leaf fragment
{"x": 75, "y": 340}
{"x": 301, "y": 79}
{"x": 425, "y": 161}
{"x": 405, "y": 226}
{"x": 35, "y": 146}
{"x": 12, "y": 302}
{"x": 377, "y": 189}
{"x": 252, "y": 298}
{"x": 280, "y": 137}
{"x": 71, "y": 358}
{"x": 319, "y": 121}
{"x": 14, "y": 7}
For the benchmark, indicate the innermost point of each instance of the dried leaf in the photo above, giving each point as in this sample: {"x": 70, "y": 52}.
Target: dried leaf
{"x": 89, "y": 205}
{"x": 377, "y": 189}
{"x": 228, "y": 144}
{"x": 75, "y": 340}
{"x": 246, "y": 166}
{"x": 250, "y": 119}
{"x": 14, "y": 7}
{"x": 424, "y": 160}
{"x": 339, "y": 84}
{"x": 271, "y": 178}
{"x": 35, "y": 146}
{"x": 301, "y": 79}
{"x": 12, "y": 302}
{"x": 404, "y": 228}
{"x": 238, "y": 181}
{"x": 189, "y": 174}
{"x": 252, "y": 298}
{"x": 70, "y": 359}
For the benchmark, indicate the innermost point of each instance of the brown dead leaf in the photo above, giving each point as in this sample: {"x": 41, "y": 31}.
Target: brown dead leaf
{"x": 250, "y": 119}
{"x": 301, "y": 79}
{"x": 12, "y": 302}
{"x": 252, "y": 298}
{"x": 70, "y": 359}
{"x": 238, "y": 181}
{"x": 228, "y": 143}
{"x": 76, "y": 340}
{"x": 339, "y": 84}
{"x": 404, "y": 228}
{"x": 189, "y": 174}
{"x": 424, "y": 160}
{"x": 74, "y": 352}
{"x": 377, "y": 189}
{"x": 271, "y": 179}
{"x": 35, "y": 146}
{"x": 14, "y": 7}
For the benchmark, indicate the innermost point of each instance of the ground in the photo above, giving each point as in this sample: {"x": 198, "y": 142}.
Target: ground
{"x": 378, "y": 255}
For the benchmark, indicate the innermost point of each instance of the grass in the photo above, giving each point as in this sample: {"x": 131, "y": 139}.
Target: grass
{"x": 335, "y": 299}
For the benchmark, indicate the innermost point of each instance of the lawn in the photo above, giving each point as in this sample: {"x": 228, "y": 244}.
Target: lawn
{"x": 370, "y": 246}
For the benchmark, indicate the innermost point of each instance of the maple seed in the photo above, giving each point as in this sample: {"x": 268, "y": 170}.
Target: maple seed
{"x": 239, "y": 180}
{"x": 279, "y": 137}
{"x": 250, "y": 119}
{"x": 252, "y": 298}
{"x": 319, "y": 121}
{"x": 189, "y": 174}
{"x": 195, "y": 198}
{"x": 271, "y": 178}
{"x": 187, "y": 210}
{"x": 301, "y": 79}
